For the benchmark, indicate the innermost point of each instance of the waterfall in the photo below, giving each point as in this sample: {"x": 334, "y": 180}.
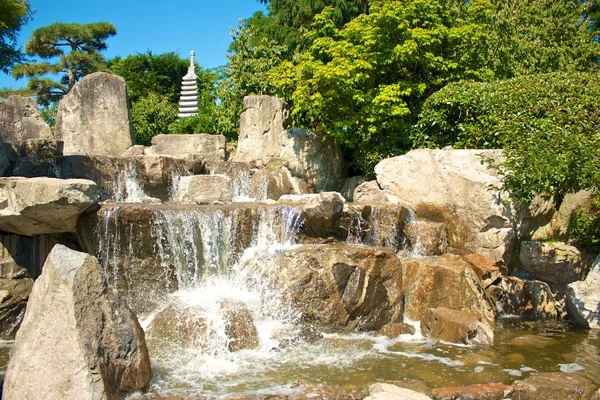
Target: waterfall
{"x": 127, "y": 187}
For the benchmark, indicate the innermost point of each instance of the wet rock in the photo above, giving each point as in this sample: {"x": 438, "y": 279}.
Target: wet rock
{"x": 457, "y": 326}
{"x": 453, "y": 187}
{"x": 322, "y": 214}
{"x": 24, "y": 256}
{"x": 585, "y": 297}
{"x": 14, "y": 294}
{"x": 32, "y": 206}
{"x": 489, "y": 391}
{"x": 202, "y": 146}
{"x": 385, "y": 391}
{"x": 335, "y": 286}
{"x": 427, "y": 238}
{"x": 527, "y": 298}
{"x": 239, "y": 327}
{"x": 554, "y": 262}
{"x": 444, "y": 281}
{"x": 532, "y": 341}
{"x": 394, "y": 329}
{"x": 369, "y": 192}
{"x": 349, "y": 186}
{"x": 267, "y": 184}
{"x": 78, "y": 332}
{"x": 21, "y": 120}
{"x": 204, "y": 189}
{"x": 484, "y": 268}
{"x": 553, "y": 386}
{"x": 93, "y": 118}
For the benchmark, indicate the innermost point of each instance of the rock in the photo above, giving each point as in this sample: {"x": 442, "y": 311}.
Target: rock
{"x": 334, "y": 286}
{"x": 427, "y": 238}
{"x": 585, "y": 296}
{"x": 369, "y": 192}
{"x": 394, "y": 329}
{"x": 532, "y": 342}
{"x": 385, "y": 391}
{"x": 24, "y": 256}
{"x": 274, "y": 184}
{"x": 264, "y": 140}
{"x": 4, "y": 163}
{"x": 322, "y": 214}
{"x": 32, "y": 206}
{"x": 77, "y": 332}
{"x": 262, "y": 123}
{"x": 42, "y": 149}
{"x": 487, "y": 272}
{"x": 553, "y": 386}
{"x": 21, "y": 120}
{"x": 204, "y": 189}
{"x": 184, "y": 322}
{"x": 134, "y": 151}
{"x": 241, "y": 178}
{"x": 444, "y": 281}
{"x": 298, "y": 198}
{"x": 527, "y": 298}
{"x": 454, "y": 187}
{"x": 351, "y": 184}
{"x": 12, "y": 305}
{"x": 488, "y": 391}
{"x": 457, "y": 326}
{"x": 201, "y": 146}
{"x": 313, "y": 158}
{"x": 554, "y": 262}
{"x": 93, "y": 118}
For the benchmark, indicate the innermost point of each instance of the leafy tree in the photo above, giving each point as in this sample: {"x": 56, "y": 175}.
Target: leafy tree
{"x": 547, "y": 124}
{"x": 13, "y": 15}
{"x": 77, "y": 47}
{"x": 150, "y": 116}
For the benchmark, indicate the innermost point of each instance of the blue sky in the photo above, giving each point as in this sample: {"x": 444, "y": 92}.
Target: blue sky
{"x": 160, "y": 26}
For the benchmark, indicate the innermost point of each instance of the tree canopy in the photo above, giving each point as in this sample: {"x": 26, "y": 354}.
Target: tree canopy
{"x": 13, "y": 15}
{"x": 77, "y": 47}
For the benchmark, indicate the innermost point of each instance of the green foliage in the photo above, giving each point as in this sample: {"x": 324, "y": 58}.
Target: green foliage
{"x": 584, "y": 225}
{"x": 13, "y": 15}
{"x": 151, "y": 116}
{"x": 49, "y": 114}
{"x": 547, "y": 124}
{"x": 77, "y": 47}
{"x": 5, "y": 92}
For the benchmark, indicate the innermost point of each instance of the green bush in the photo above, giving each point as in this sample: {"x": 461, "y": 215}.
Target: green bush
{"x": 150, "y": 116}
{"x": 547, "y": 124}
{"x": 584, "y": 225}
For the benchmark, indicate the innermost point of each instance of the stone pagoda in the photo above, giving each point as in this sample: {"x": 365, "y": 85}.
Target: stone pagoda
{"x": 188, "y": 102}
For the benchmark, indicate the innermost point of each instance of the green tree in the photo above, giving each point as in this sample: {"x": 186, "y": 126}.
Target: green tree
{"x": 150, "y": 116}
{"x": 13, "y": 15}
{"x": 77, "y": 47}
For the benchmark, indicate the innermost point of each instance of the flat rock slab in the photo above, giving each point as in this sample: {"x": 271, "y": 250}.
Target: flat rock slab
{"x": 205, "y": 189}
{"x": 32, "y": 206}
{"x": 208, "y": 148}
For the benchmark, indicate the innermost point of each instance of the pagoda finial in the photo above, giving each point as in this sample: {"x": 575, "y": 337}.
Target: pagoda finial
{"x": 192, "y": 59}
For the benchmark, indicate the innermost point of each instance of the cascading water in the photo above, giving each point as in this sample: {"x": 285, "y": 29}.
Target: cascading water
{"x": 127, "y": 187}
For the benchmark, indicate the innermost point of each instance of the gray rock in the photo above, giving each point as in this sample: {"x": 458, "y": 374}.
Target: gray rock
{"x": 322, "y": 214}
{"x": 454, "y": 187}
{"x": 23, "y": 256}
{"x": 32, "y": 206}
{"x": 349, "y": 186}
{"x": 77, "y": 340}
{"x": 4, "y": 163}
{"x": 205, "y": 189}
{"x": 369, "y": 192}
{"x": 93, "y": 118}
{"x": 134, "y": 151}
{"x": 200, "y": 146}
{"x": 386, "y": 391}
{"x": 586, "y": 296}
{"x": 554, "y": 262}
{"x": 20, "y": 120}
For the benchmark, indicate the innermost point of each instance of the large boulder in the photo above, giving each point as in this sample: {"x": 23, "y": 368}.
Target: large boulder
{"x": 200, "y": 146}
{"x": 527, "y": 298}
{"x": 31, "y": 206}
{"x": 456, "y": 326}
{"x": 554, "y": 262}
{"x": 455, "y": 187}
{"x": 93, "y": 118}
{"x": 264, "y": 140}
{"x": 322, "y": 214}
{"x": 20, "y": 120}
{"x": 267, "y": 184}
{"x": 334, "y": 286}
{"x": 205, "y": 189}
{"x": 369, "y": 192}
{"x": 585, "y": 296}
{"x": 77, "y": 339}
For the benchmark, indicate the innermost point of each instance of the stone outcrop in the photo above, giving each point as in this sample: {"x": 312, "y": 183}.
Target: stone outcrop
{"x": 265, "y": 141}
{"x": 202, "y": 146}
{"x": 204, "y": 189}
{"x": 454, "y": 187}
{"x": 585, "y": 296}
{"x": 554, "y": 262}
{"x": 456, "y": 326}
{"x": 322, "y": 214}
{"x": 446, "y": 281}
{"x": 333, "y": 286}
{"x": 21, "y": 120}
{"x": 369, "y": 192}
{"x": 31, "y": 206}
{"x": 77, "y": 340}
{"x": 13, "y": 300}
{"x": 527, "y": 298}
{"x": 93, "y": 118}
